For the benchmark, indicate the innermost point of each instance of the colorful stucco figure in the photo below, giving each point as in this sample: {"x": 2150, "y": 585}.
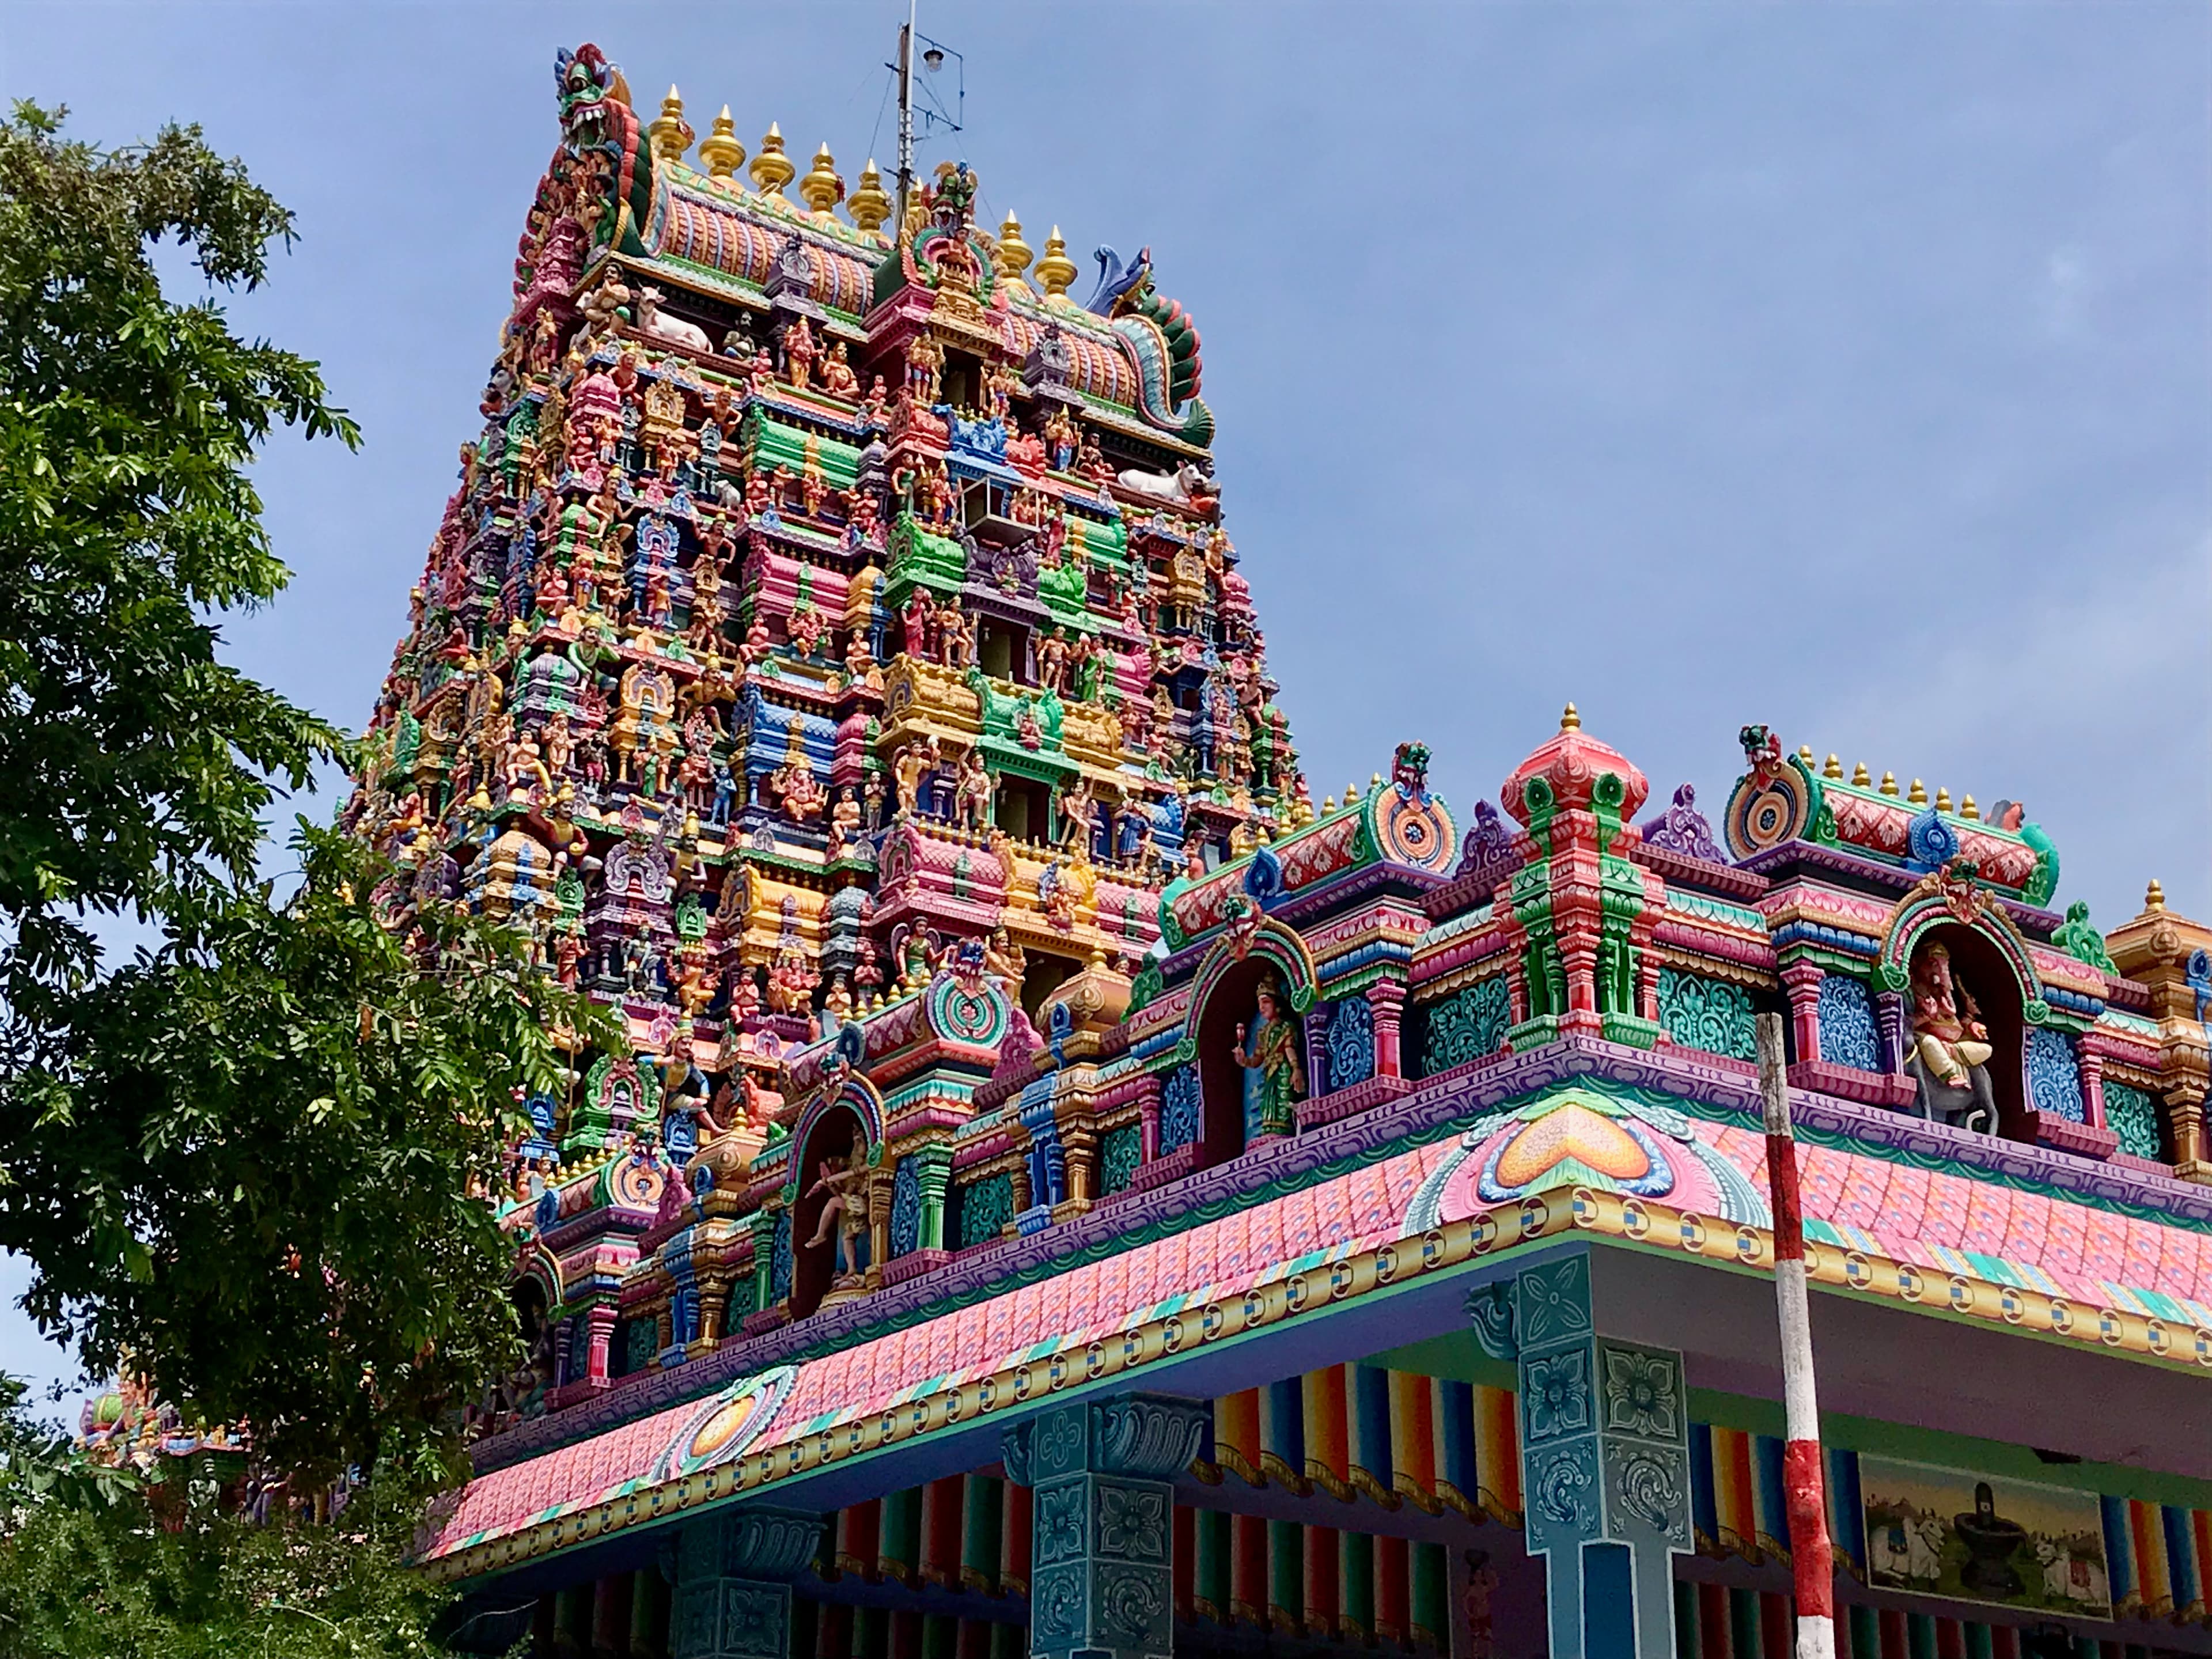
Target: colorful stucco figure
{"x": 1065, "y": 1190}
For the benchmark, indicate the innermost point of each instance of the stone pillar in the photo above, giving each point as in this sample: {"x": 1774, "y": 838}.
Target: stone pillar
{"x": 2184, "y": 1111}
{"x": 1080, "y": 1150}
{"x": 732, "y": 1574}
{"x": 2091, "y": 1056}
{"x": 880, "y": 1224}
{"x": 1889, "y": 1028}
{"x": 763, "y": 1226}
{"x": 1387, "y": 997}
{"x": 648, "y": 1594}
{"x": 1802, "y": 982}
{"x": 1320, "y": 1080}
{"x": 1102, "y": 1563}
{"x": 1605, "y": 1463}
{"x": 601, "y": 1321}
{"x": 934, "y": 1171}
{"x": 1148, "y": 1116}
{"x": 611, "y": 1613}
{"x": 714, "y": 1310}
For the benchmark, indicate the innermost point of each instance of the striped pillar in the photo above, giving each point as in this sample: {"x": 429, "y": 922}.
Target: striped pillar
{"x": 1803, "y": 1498}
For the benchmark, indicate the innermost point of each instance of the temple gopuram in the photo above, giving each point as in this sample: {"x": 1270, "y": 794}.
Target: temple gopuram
{"x": 1065, "y": 1192}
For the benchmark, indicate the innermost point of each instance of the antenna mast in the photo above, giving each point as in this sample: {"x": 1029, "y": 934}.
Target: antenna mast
{"x": 906, "y": 118}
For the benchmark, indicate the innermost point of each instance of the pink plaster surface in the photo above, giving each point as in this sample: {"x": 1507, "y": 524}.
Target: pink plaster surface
{"x": 1914, "y": 1215}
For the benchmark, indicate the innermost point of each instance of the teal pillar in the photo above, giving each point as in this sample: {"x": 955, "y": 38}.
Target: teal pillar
{"x": 1605, "y": 1462}
{"x": 1102, "y": 1558}
{"x": 933, "y": 1168}
{"x": 732, "y": 1574}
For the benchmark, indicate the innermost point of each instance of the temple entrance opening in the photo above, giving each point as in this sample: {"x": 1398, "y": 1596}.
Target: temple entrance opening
{"x": 1042, "y": 976}
{"x": 1022, "y": 809}
{"x": 1002, "y": 651}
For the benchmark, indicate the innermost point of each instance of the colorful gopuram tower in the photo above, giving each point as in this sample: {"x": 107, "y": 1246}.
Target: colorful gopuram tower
{"x": 1063, "y": 1194}
{"x": 827, "y": 605}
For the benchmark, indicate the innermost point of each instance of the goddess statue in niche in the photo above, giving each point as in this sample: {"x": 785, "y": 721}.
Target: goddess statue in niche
{"x": 1274, "y": 1069}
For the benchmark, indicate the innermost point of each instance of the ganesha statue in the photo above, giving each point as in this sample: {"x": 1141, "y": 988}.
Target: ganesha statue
{"x": 1951, "y": 1046}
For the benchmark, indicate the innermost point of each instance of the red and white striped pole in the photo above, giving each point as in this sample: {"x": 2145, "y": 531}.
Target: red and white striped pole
{"x": 1804, "y": 1490}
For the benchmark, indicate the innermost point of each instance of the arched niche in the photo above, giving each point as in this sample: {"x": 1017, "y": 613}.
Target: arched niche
{"x": 1980, "y": 969}
{"x": 534, "y": 1294}
{"x": 1223, "y": 995}
{"x": 1990, "y": 960}
{"x": 849, "y": 1115}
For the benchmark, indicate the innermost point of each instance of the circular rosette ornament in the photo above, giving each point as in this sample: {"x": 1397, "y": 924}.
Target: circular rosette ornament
{"x": 1770, "y": 805}
{"x": 973, "y": 1014}
{"x": 636, "y": 1182}
{"x": 1411, "y": 828}
{"x": 724, "y": 1427}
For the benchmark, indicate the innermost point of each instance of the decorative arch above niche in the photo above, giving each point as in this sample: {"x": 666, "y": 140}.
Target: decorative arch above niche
{"x": 854, "y": 1093}
{"x": 1951, "y": 896}
{"x": 1248, "y": 936}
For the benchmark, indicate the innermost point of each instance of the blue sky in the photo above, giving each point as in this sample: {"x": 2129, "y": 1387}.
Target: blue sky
{"x": 1846, "y": 369}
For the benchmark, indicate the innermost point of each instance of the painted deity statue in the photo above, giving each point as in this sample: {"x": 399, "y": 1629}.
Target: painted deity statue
{"x": 1275, "y": 1070}
{"x": 1948, "y": 1033}
{"x": 845, "y": 1209}
{"x": 1951, "y": 1046}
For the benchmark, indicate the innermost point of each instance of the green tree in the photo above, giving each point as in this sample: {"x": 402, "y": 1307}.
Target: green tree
{"x": 94, "y": 1566}
{"x": 136, "y": 766}
{"x": 249, "y": 1158}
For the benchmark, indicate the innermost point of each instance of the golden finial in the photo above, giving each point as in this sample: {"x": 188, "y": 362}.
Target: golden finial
{"x": 1056, "y": 271}
{"x": 720, "y": 150}
{"x": 671, "y": 133}
{"x": 1918, "y": 795}
{"x": 2153, "y": 895}
{"x": 1967, "y": 809}
{"x": 772, "y": 169}
{"x": 1014, "y": 256}
{"x": 1942, "y": 799}
{"x": 1375, "y": 781}
{"x": 822, "y": 189}
{"x": 1569, "y": 721}
{"x": 1889, "y": 783}
{"x": 1328, "y": 803}
{"x": 1351, "y": 793}
{"x": 1831, "y": 768}
{"x": 1860, "y": 776}
{"x": 1805, "y": 754}
{"x": 868, "y": 203}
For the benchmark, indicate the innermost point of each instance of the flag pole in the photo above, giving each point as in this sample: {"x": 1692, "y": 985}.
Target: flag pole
{"x": 1802, "y": 1483}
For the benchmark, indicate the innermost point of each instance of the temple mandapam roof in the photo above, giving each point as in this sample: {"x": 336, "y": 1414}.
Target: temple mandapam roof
{"x": 1921, "y": 1236}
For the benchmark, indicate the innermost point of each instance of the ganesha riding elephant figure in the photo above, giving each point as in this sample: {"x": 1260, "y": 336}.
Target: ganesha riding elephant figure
{"x": 1951, "y": 1046}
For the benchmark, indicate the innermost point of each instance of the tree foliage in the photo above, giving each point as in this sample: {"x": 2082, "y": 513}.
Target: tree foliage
{"x": 136, "y": 766}
{"x": 90, "y": 1569}
{"x": 261, "y": 1164}
{"x": 244, "y": 1157}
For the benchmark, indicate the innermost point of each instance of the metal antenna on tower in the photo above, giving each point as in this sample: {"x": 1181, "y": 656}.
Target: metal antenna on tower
{"x": 905, "y": 69}
{"x": 934, "y": 115}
